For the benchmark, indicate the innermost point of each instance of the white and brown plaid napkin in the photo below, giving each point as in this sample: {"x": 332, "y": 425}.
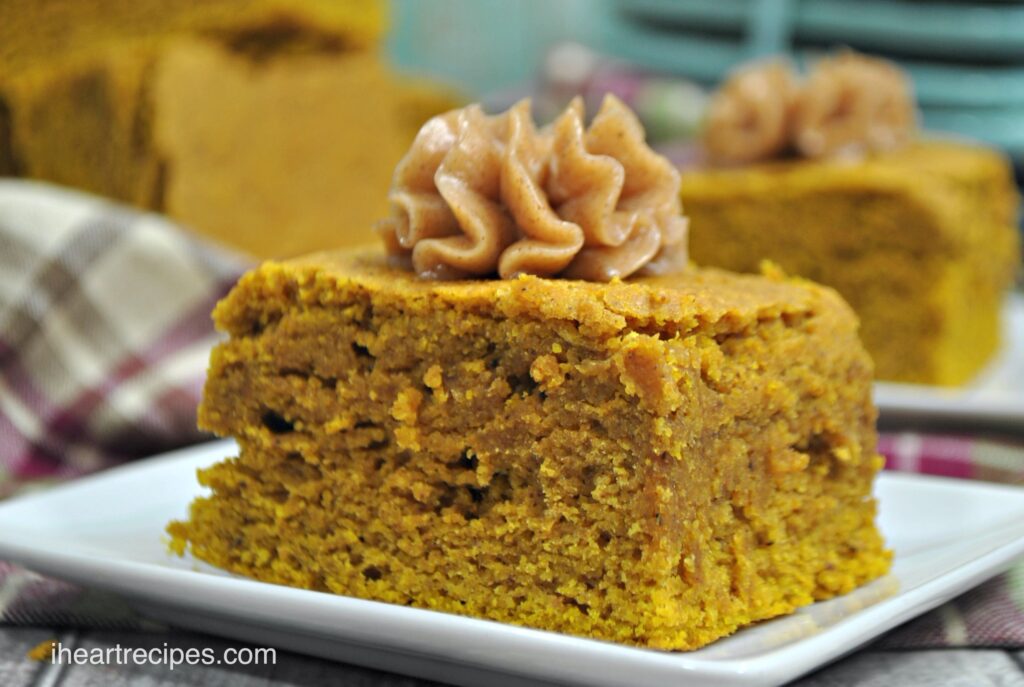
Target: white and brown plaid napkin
{"x": 104, "y": 332}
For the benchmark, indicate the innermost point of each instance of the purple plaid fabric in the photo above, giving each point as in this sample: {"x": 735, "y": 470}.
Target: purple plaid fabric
{"x": 954, "y": 456}
{"x": 104, "y": 332}
{"x": 991, "y": 615}
{"x": 104, "y": 338}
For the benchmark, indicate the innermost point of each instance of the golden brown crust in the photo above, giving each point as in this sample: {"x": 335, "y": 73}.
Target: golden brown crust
{"x": 707, "y": 298}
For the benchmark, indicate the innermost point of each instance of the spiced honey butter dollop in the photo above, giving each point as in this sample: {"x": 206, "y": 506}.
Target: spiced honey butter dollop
{"x": 851, "y": 104}
{"x": 749, "y": 117}
{"x": 848, "y": 105}
{"x": 479, "y": 195}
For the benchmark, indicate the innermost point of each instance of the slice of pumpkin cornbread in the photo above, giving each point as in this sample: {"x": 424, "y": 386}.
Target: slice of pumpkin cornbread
{"x": 656, "y": 462}
{"x": 922, "y": 242}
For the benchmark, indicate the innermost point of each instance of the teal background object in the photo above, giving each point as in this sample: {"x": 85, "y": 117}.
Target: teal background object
{"x": 485, "y": 45}
{"x": 966, "y": 58}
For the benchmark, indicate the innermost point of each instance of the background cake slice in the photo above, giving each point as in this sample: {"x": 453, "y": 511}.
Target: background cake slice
{"x": 921, "y": 242}
{"x": 826, "y": 175}
{"x": 222, "y": 114}
{"x": 657, "y": 462}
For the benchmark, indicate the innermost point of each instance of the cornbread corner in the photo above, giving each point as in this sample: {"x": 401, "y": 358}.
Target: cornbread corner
{"x": 921, "y": 242}
{"x": 656, "y": 462}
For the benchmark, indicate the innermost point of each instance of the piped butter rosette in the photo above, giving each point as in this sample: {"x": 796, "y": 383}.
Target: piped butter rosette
{"x": 848, "y": 105}
{"x": 852, "y": 104}
{"x": 749, "y": 117}
{"x": 482, "y": 194}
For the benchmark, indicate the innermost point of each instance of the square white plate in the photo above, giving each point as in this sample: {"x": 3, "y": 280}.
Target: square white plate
{"x": 107, "y": 531}
{"x": 995, "y": 396}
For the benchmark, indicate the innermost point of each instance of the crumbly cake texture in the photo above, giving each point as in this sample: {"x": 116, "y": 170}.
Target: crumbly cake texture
{"x": 221, "y": 114}
{"x": 656, "y": 462}
{"x": 920, "y": 241}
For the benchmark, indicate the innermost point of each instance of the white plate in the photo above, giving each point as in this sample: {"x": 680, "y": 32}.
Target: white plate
{"x": 106, "y": 531}
{"x": 996, "y": 395}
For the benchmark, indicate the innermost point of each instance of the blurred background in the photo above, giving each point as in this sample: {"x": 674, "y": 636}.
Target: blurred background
{"x": 966, "y": 58}
{"x": 274, "y": 125}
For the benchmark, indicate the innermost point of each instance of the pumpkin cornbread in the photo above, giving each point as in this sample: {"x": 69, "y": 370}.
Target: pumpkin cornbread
{"x": 919, "y": 237}
{"x": 220, "y": 113}
{"x": 656, "y": 462}
{"x": 920, "y": 241}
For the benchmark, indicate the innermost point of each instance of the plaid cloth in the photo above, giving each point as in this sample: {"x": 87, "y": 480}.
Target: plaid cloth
{"x": 992, "y": 614}
{"x": 104, "y": 332}
{"x": 104, "y": 337}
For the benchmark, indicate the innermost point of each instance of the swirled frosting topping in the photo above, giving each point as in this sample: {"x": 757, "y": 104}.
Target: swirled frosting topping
{"x": 852, "y": 104}
{"x": 748, "y": 118}
{"x": 482, "y": 194}
{"x": 848, "y": 105}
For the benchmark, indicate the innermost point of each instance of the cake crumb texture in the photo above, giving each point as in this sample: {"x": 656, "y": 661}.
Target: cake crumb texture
{"x": 655, "y": 462}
